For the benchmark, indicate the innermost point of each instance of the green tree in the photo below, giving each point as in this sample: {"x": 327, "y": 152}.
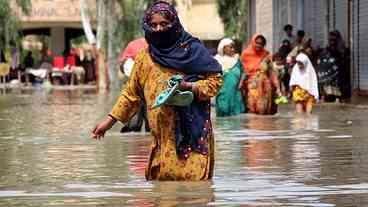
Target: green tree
{"x": 9, "y": 20}
{"x": 129, "y": 22}
{"x": 234, "y": 16}
{"x": 118, "y": 22}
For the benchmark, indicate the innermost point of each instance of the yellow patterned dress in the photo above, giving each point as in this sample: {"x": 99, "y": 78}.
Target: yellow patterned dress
{"x": 147, "y": 80}
{"x": 302, "y": 96}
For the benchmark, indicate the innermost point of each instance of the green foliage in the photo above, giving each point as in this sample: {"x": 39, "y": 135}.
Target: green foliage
{"x": 129, "y": 22}
{"x": 25, "y": 6}
{"x": 9, "y": 20}
{"x": 234, "y": 16}
{"x": 77, "y": 42}
{"x": 36, "y": 54}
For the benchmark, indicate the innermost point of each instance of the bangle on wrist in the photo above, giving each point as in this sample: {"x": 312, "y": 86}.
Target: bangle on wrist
{"x": 112, "y": 118}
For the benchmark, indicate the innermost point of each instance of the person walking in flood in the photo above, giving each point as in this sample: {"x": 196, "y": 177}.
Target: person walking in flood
{"x": 127, "y": 62}
{"x": 262, "y": 85}
{"x": 183, "y": 143}
{"x": 333, "y": 73}
{"x": 304, "y": 85}
{"x": 229, "y": 100}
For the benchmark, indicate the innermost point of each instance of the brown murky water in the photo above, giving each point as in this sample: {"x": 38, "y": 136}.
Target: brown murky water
{"x": 48, "y": 159}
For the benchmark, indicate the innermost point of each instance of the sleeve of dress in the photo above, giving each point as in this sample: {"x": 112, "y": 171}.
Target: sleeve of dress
{"x": 129, "y": 100}
{"x": 207, "y": 88}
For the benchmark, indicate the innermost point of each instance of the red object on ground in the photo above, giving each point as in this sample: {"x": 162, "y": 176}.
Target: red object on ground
{"x": 59, "y": 62}
{"x": 132, "y": 49}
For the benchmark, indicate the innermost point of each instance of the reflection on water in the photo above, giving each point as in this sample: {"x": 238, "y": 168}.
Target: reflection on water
{"x": 48, "y": 159}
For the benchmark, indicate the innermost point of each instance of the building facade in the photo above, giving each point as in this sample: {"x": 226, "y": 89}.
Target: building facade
{"x": 359, "y": 43}
{"x": 200, "y": 18}
{"x": 317, "y": 18}
{"x": 61, "y": 20}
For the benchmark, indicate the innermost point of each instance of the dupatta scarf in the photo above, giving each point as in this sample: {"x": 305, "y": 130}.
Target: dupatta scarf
{"x": 251, "y": 58}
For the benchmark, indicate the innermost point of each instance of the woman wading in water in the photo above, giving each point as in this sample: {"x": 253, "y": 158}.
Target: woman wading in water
{"x": 182, "y": 139}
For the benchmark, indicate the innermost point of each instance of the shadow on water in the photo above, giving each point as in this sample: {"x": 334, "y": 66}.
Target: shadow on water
{"x": 48, "y": 159}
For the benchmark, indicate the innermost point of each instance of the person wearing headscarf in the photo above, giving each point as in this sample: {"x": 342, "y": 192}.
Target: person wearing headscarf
{"x": 262, "y": 85}
{"x": 304, "y": 84}
{"x": 229, "y": 100}
{"x": 127, "y": 56}
{"x": 333, "y": 75}
{"x": 183, "y": 143}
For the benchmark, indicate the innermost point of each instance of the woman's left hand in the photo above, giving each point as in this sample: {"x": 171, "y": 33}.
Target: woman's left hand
{"x": 186, "y": 86}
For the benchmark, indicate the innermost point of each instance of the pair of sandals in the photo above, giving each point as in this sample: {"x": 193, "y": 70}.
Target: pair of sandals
{"x": 172, "y": 96}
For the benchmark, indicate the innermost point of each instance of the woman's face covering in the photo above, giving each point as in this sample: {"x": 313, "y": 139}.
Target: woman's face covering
{"x": 159, "y": 23}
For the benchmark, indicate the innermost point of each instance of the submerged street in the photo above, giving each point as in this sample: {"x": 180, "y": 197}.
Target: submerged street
{"x": 48, "y": 159}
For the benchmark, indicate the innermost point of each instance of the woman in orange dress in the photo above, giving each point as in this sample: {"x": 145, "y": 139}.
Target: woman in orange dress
{"x": 262, "y": 85}
{"x": 182, "y": 139}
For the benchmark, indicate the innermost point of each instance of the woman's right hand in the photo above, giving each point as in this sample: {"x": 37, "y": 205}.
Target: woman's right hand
{"x": 99, "y": 131}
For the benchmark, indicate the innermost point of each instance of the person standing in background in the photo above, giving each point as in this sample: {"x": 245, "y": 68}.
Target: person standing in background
{"x": 288, "y": 29}
{"x": 127, "y": 61}
{"x": 333, "y": 70}
{"x": 28, "y": 60}
{"x": 127, "y": 56}
{"x": 229, "y": 100}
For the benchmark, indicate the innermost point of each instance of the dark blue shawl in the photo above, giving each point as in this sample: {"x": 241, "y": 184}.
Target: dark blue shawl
{"x": 176, "y": 49}
{"x": 193, "y": 124}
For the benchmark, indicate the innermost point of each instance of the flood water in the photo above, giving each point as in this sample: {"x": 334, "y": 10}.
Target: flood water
{"x": 48, "y": 159}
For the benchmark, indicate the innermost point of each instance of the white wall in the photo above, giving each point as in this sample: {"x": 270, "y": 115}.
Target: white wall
{"x": 315, "y": 21}
{"x": 269, "y": 17}
{"x": 263, "y": 20}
